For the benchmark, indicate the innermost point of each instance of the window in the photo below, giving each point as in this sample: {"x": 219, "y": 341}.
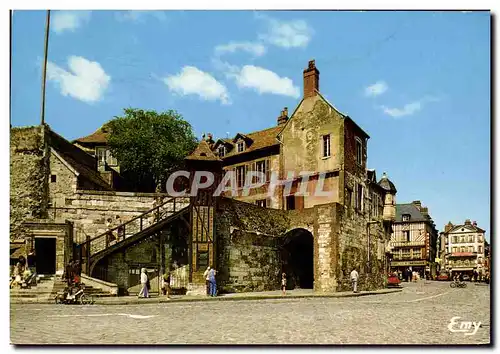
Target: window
{"x": 110, "y": 159}
{"x": 222, "y": 151}
{"x": 406, "y": 235}
{"x": 261, "y": 202}
{"x": 53, "y": 178}
{"x": 359, "y": 197}
{"x": 202, "y": 261}
{"x": 455, "y": 239}
{"x": 462, "y": 239}
{"x": 375, "y": 204}
{"x": 462, "y": 249}
{"x": 263, "y": 167}
{"x": 405, "y": 253}
{"x": 417, "y": 253}
{"x": 479, "y": 238}
{"x": 241, "y": 146}
{"x": 455, "y": 249}
{"x": 471, "y": 239}
{"x": 480, "y": 249}
{"x": 359, "y": 151}
{"x": 471, "y": 249}
{"x": 100, "y": 153}
{"x": 406, "y": 217}
{"x": 290, "y": 202}
{"x": 326, "y": 145}
{"x": 240, "y": 176}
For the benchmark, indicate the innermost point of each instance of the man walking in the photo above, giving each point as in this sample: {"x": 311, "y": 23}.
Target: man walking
{"x": 212, "y": 282}
{"x": 354, "y": 280}
{"x": 207, "y": 282}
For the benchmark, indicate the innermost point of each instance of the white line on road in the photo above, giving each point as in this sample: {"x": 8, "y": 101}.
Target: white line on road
{"x": 140, "y": 317}
{"x": 428, "y": 297}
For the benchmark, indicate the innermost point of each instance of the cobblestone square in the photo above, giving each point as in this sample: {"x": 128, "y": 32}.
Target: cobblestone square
{"x": 420, "y": 314}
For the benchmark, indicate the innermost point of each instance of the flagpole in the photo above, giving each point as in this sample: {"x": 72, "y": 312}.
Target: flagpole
{"x": 44, "y": 72}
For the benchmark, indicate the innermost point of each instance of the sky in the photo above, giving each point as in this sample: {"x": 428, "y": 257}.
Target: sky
{"x": 417, "y": 82}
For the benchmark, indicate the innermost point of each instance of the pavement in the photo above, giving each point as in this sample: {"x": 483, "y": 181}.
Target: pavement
{"x": 421, "y": 313}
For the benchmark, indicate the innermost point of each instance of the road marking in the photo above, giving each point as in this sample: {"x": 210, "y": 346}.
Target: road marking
{"x": 140, "y": 317}
{"x": 428, "y": 297}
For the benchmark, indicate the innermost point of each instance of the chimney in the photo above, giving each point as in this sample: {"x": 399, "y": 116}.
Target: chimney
{"x": 474, "y": 223}
{"x": 448, "y": 227}
{"x": 283, "y": 118}
{"x": 467, "y": 222}
{"x": 311, "y": 80}
{"x": 418, "y": 204}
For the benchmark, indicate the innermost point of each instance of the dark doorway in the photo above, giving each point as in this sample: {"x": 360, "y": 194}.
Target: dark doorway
{"x": 298, "y": 259}
{"x": 45, "y": 249}
{"x": 290, "y": 202}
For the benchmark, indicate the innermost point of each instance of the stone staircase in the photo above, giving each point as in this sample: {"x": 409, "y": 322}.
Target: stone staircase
{"x": 45, "y": 291}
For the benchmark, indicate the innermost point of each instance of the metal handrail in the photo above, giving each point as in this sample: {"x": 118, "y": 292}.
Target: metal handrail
{"x": 122, "y": 226}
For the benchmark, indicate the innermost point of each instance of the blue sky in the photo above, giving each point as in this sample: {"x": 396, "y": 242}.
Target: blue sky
{"x": 417, "y": 82}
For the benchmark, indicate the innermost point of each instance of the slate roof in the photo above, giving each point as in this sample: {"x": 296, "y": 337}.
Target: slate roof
{"x": 260, "y": 139}
{"x": 83, "y": 163}
{"x": 203, "y": 152}
{"x": 410, "y": 209}
{"x": 387, "y": 184}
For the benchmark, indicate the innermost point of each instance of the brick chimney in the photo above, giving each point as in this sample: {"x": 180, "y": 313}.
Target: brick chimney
{"x": 311, "y": 80}
{"x": 283, "y": 118}
{"x": 448, "y": 227}
{"x": 418, "y": 204}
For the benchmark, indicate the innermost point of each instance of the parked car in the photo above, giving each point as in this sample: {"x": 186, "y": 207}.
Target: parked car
{"x": 443, "y": 277}
{"x": 466, "y": 277}
{"x": 393, "y": 281}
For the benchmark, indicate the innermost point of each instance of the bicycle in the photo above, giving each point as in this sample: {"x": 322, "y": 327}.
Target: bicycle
{"x": 458, "y": 284}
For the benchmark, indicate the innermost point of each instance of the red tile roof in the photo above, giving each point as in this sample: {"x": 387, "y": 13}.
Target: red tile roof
{"x": 100, "y": 136}
{"x": 260, "y": 139}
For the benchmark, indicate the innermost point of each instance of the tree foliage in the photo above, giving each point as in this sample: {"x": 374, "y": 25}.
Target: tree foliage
{"x": 150, "y": 144}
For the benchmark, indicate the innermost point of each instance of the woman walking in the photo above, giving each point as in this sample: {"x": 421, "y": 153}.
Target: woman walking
{"x": 144, "y": 282}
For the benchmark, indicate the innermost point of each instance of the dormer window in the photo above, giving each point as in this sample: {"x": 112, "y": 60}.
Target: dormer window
{"x": 222, "y": 151}
{"x": 241, "y": 146}
{"x": 406, "y": 217}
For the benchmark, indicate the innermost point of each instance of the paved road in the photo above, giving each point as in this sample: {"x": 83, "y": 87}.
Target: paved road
{"x": 420, "y": 314}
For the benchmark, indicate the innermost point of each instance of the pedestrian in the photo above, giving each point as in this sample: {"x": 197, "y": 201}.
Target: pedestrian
{"x": 283, "y": 283}
{"x": 354, "y": 280}
{"x": 165, "y": 284}
{"x": 68, "y": 273}
{"x": 207, "y": 281}
{"x": 409, "y": 275}
{"x": 144, "y": 283}
{"x": 212, "y": 282}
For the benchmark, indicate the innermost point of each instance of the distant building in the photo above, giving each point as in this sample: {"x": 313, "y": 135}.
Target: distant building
{"x": 414, "y": 239}
{"x": 464, "y": 249}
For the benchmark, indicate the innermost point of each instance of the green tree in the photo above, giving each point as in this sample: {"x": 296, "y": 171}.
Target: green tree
{"x": 150, "y": 144}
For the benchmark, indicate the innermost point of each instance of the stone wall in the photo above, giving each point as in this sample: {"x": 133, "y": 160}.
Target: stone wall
{"x": 89, "y": 210}
{"x": 28, "y": 177}
{"x": 62, "y": 182}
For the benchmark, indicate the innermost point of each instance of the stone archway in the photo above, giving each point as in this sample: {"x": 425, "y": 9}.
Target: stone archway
{"x": 297, "y": 255}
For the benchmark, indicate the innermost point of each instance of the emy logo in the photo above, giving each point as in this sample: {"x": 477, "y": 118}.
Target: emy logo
{"x": 468, "y": 328}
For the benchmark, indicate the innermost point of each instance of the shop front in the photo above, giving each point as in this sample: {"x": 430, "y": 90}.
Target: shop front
{"x": 419, "y": 266}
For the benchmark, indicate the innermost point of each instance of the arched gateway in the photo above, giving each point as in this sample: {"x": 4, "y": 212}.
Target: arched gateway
{"x": 297, "y": 256}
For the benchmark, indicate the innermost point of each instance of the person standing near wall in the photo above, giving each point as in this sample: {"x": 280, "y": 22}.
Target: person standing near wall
{"x": 144, "y": 283}
{"x": 354, "y": 280}
{"x": 207, "y": 281}
{"x": 212, "y": 281}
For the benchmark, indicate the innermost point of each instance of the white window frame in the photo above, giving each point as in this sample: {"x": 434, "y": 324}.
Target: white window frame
{"x": 326, "y": 145}
{"x": 240, "y": 145}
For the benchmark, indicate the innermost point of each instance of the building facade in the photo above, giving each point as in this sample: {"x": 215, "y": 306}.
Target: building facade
{"x": 464, "y": 249}
{"x": 414, "y": 240}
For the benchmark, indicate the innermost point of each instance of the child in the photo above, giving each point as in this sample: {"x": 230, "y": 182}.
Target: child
{"x": 283, "y": 283}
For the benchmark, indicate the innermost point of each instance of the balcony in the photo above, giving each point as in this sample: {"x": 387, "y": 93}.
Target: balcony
{"x": 462, "y": 254}
{"x": 407, "y": 243}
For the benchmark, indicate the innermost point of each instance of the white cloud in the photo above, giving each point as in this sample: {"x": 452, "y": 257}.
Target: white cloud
{"x": 410, "y": 108}
{"x": 376, "y": 89}
{"x": 140, "y": 15}
{"x": 287, "y": 34}
{"x": 69, "y": 20}
{"x": 254, "y": 48}
{"x": 192, "y": 81}
{"x": 86, "y": 80}
{"x": 263, "y": 81}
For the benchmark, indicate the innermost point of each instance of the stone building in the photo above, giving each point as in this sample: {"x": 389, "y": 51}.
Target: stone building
{"x": 348, "y": 228}
{"x": 414, "y": 239}
{"x": 464, "y": 249}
